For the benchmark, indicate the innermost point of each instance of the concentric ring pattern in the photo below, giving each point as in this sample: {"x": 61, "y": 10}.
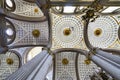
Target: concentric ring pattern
{"x": 75, "y": 35}
{"x": 9, "y": 63}
{"x": 103, "y": 32}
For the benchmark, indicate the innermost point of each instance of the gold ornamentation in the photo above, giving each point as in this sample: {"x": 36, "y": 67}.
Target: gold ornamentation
{"x": 36, "y": 10}
{"x": 67, "y": 31}
{"x": 98, "y": 32}
{"x": 87, "y": 61}
{"x": 65, "y": 61}
{"x": 9, "y": 61}
{"x": 36, "y": 33}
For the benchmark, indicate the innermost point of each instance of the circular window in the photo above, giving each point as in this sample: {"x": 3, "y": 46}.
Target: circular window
{"x": 10, "y": 5}
{"x": 9, "y": 32}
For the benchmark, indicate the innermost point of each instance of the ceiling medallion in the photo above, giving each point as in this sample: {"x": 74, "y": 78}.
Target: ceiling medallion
{"x": 36, "y": 33}
{"x": 9, "y": 61}
{"x": 98, "y": 32}
{"x": 67, "y": 31}
{"x": 65, "y": 61}
{"x": 87, "y": 61}
{"x": 36, "y": 10}
{"x": 103, "y": 32}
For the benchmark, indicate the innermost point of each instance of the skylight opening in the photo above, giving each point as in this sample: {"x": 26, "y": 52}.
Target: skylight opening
{"x": 69, "y": 9}
{"x": 57, "y": 7}
{"x": 110, "y": 9}
{"x": 81, "y": 7}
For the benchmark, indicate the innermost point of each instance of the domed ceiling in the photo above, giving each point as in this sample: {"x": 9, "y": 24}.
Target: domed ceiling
{"x": 27, "y": 25}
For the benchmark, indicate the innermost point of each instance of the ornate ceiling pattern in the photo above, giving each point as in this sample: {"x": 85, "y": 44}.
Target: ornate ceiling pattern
{"x": 65, "y": 66}
{"x": 30, "y": 33}
{"x": 27, "y": 9}
{"x": 62, "y": 31}
{"x": 85, "y": 70}
{"x": 103, "y": 32}
{"x": 99, "y": 36}
{"x": 66, "y": 31}
{"x": 72, "y": 66}
{"x": 9, "y": 63}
